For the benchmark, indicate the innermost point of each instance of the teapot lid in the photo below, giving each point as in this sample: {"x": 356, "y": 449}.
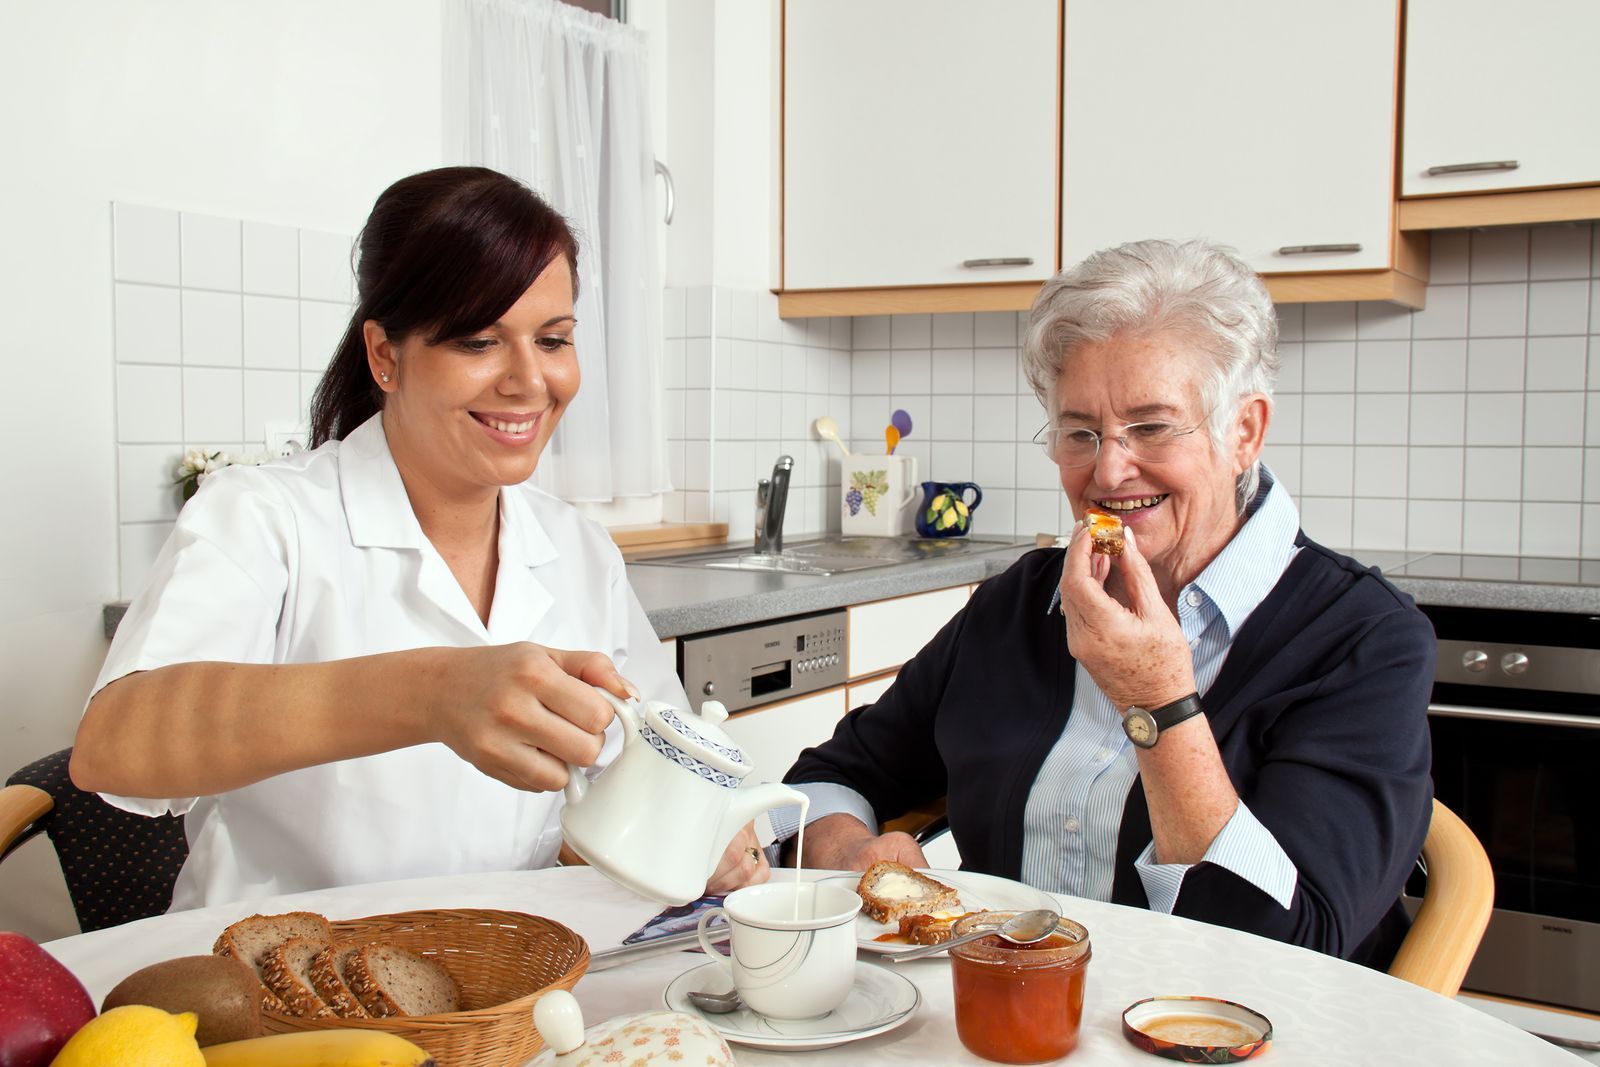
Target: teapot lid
{"x": 696, "y": 741}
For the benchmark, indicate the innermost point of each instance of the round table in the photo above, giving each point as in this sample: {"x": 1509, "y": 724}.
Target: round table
{"x": 1324, "y": 1011}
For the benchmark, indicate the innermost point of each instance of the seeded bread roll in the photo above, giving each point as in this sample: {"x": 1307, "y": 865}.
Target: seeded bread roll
{"x": 391, "y": 981}
{"x": 327, "y": 978}
{"x": 890, "y": 890}
{"x": 251, "y": 939}
{"x": 286, "y": 971}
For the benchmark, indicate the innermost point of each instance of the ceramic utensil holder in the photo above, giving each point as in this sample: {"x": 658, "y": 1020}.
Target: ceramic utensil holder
{"x": 879, "y": 495}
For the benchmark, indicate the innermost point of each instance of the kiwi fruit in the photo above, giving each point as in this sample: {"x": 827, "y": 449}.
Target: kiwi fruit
{"x": 221, "y": 990}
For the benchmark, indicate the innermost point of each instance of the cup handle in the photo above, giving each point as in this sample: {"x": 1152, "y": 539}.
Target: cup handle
{"x": 912, "y": 487}
{"x": 977, "y": 495}
{"x": 706, "y": 944}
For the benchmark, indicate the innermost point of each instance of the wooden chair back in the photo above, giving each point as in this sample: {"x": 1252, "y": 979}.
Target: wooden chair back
{"x": 1455, "y": 908}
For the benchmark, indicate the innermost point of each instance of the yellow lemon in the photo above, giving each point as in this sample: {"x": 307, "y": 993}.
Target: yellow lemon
{"x": 134, "y": 1036}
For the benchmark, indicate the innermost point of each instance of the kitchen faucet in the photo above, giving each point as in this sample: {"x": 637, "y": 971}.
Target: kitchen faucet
{"x": 772, "y": 495}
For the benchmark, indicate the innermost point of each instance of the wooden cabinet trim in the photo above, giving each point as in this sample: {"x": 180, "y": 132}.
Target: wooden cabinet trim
{"x": 1578, "y": 203}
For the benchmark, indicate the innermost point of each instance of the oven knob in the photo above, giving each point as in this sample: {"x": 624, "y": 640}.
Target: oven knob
{"x": 709, "y": 688}
{"x": 1514, "y": 663}
{"x": 1475, "y": 660}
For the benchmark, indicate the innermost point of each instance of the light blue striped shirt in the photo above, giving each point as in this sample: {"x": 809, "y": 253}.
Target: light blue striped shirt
{"x": 1074, "y": 811}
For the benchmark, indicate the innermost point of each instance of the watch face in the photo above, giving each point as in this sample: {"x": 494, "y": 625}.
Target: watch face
{"x": 1140, "y": 727}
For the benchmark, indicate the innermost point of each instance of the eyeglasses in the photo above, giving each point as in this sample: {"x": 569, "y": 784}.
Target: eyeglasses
{"x": 1077, "y": 446}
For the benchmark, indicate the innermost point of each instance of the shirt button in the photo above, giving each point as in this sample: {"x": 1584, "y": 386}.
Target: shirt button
{"x": 1103, "y": 755}
{"x": 1193, "y": 598}
{"x": 1072, "y": 825}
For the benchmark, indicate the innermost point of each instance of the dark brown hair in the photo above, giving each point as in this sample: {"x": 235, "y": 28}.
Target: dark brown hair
{"x": 446, "y": 251}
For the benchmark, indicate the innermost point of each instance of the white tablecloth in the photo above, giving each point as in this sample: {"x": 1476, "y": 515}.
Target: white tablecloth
{"x": 1324, "y": 1011}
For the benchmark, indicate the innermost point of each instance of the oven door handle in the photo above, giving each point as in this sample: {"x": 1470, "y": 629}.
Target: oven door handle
{"x": 1536, "y": 718}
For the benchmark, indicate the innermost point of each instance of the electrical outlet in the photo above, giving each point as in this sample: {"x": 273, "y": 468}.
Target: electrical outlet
{"x": 285, "y": 438}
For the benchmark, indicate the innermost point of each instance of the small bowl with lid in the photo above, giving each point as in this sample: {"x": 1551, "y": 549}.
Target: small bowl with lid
{"x": 1019, "y": 1003}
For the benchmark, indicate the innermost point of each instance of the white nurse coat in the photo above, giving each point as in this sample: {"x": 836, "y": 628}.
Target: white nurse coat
{"x": 318, "y": 558}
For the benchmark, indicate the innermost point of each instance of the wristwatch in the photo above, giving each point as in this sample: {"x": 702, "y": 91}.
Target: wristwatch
{"x": 1145, "y": 727}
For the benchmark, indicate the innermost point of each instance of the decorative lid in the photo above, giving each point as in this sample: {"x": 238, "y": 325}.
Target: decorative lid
{"x": 696, "y": 741}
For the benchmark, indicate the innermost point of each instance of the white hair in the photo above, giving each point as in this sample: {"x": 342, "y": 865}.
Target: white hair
{"x": 1199, "y": 290}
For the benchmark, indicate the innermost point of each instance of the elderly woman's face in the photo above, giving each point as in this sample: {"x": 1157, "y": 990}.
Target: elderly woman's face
{"x": 476, "y": 412}
{"x": 1180, "y": 507}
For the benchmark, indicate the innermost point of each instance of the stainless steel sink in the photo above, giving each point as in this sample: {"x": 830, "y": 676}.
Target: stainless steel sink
{"x": 827, "y": 556}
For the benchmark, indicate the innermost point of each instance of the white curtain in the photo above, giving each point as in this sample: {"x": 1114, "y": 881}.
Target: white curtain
{"x": 557, "y": 97}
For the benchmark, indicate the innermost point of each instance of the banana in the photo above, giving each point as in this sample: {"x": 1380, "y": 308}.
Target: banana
{"x": 320, "y": 1048}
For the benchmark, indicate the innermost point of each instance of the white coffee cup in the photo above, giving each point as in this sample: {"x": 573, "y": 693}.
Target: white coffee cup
{"x": 793, "y": 946}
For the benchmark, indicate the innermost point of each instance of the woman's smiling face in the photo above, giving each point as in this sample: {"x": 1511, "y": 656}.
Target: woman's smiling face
{"x": 1181, "y": 509}
{"x": 474, "y": 413}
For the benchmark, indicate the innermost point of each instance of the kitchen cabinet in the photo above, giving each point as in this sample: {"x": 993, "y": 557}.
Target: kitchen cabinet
{"x": 884, "y": 634}
{"x": 774, "y": 735}
{"x": 1266, "y": 126}
{"x": 919, "y": 149}
{"x": 1500, "y": 97}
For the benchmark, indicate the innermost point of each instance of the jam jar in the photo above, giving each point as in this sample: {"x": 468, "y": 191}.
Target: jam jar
{"x": 1019, "y": 1003}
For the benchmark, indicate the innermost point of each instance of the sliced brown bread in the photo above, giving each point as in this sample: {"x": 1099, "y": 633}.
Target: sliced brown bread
{"x": 890, "y": 890}
{"x": 286, "y": 971}
{"x": 251, "y": 939}
{"x": 391, "y": 981}
{"x": 327, "y": 978}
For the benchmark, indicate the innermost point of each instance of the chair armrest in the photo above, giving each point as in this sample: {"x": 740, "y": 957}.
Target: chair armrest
{"x": 21, "y": 807}
{"x": 1455, "y": 907}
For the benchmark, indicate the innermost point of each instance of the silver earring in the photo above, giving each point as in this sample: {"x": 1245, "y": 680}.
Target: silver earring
{"x": 385, "y": 378}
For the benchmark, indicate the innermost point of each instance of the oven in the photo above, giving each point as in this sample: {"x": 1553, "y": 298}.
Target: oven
{"x": 1515, "y": 720}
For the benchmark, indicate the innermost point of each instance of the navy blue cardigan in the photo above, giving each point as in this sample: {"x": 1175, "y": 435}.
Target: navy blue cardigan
{"x": 1320, "y": 713}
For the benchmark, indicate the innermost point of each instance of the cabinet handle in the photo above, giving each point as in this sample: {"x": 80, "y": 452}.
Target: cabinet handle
{"x": 1003, "y": 261}
{"x": 1471, "y": 168}
{"x": 661, "y": 169}
{"x": 1316, "y": 250}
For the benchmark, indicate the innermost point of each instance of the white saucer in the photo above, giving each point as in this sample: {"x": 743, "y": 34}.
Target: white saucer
{"x": 880, "y": 1001}
{"x": 979, "y": 892}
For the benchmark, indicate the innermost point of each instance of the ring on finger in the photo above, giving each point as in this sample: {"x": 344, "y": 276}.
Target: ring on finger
{"x": 755, "y": 854}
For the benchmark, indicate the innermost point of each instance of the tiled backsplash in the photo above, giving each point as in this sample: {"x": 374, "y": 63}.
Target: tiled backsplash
{"x": 1471, "y": 425}
{"x": 221, "y": 327}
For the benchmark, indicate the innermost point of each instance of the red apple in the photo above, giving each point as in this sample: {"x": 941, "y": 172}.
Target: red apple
{"x": 41, "y": 1003}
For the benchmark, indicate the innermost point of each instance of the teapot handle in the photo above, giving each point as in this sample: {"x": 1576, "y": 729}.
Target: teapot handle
{"x": 577, "y": 781}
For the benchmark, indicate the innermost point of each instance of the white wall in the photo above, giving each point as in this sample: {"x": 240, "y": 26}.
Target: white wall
{"x": 297, "y": 112}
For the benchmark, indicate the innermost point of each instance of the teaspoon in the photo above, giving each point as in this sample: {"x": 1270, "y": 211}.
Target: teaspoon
{"x": 716, "y": 1003}
{"x": 1023, "y": 928}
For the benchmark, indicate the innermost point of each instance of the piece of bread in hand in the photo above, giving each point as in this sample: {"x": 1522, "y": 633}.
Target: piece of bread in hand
{"x": 890, "y": 890}
{"x": 251, "y": 939}
{"x": 327, "y": 978}
{"x": 391, "y": 981}
{"x": 1105, "y": 532}
{"x": 286, "y": 970}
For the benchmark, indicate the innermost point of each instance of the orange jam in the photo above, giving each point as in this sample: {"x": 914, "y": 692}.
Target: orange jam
{"x": 1019, "y": 1003}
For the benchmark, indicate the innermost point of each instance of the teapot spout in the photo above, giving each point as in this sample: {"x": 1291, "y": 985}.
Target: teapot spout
{"x": 747, "y": 804}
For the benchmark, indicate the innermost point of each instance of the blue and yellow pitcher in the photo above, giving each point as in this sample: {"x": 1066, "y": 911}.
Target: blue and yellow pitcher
{"x": 945, "y": 511}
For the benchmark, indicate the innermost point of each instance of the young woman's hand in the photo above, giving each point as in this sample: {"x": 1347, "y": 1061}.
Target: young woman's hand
{"x": 743, "y": 863}
{"x": 521, "y": 712}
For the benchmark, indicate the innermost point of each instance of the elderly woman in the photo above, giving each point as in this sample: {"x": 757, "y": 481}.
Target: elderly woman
{"x": 1226, "y": 722}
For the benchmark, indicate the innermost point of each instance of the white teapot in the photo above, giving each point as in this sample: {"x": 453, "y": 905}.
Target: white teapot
{"x": 658, "y": 819}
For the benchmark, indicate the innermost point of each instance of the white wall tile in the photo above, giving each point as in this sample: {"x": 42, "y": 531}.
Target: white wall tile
{"x": 1445, "y": 315}
{"x": 1494, "y": 419}
{"x": 997, "y": 515}
{"x": 794, "y": 368}
{"x": 1556, "y": 363}
{"x": 1327, "y": 470}
{"x": 147, "y": 489}
{"x": 1433, "y": 525}
{"x": 995, "y": 329}
{"x": 722, "y": 313}
{"x": 1560, "y": 251}
{"x": 1331, "y": 322}
{"x": 1382, "y": 418}
{"x": 148, "y": 324}
{"x": 1284, "y": 460}
{"x": 952, "y": 418}
{"x": 910, "y": 370}
{"x": 769, "y": 363}
{"x": 952, "y": 370}
{"x": 1382, "y": 321}
{"x": 869, "y": 413}
{"x": 1558, "y": 307}
{"x": 872, "y": 332}
{"x": 149, "y": 404}
{"x": 672, "y": 312}
{"x": 1383, "y": 366}
{"x": 1287, "y": 416}
{"x": 1439, "y": 366}
{"x": 1330, "y": 366}
{"x": 1499, "y": 310}
{"x": 269, "y": 396}
{"x": 145, "y": 242}
{"x": 843, "y": 329}
{"x": 1594, "y": 303}
{"x": 994, "y": 370}
{"x": 870, "y": 372}
{"x": 212, "y": 257}
{"x": 1500, "y": 254}
{"x": 325, "y": 272}
{"x": 1291, "y": 322}
{"x": 1591, "y": 475}
{"x": 1380, "y": 471}
{"x": 994, "y": 418}
{"x": 271, "y": 332}
{"x": 697, "y": 416}
{"x": 1329, "y": 420}
{"x": 1378, "y": 524}
{"x": 1038, "y": 511}
{"x": 1550, "y": 529}
{"x": 994, "y": 464}
{"x": 138, "y": 545}
{"x": 742, "y": 306}
{"x": 1553, "y": 419}
{"x": 1495, "y": 364}
{"x": 1435, "y": 473}
{"x": 952, "y": 462}
{"x": 308, "y": 389}
{"x": 1035, "y": 470}
{"x": 911, "y": 331}
{"x": 1291, "y": 367}
{"x": 952, "y": 331}
{"x": 697, "y": 466}
{"x": 1029, "y": 417}
{"x": 697, "y": 365}
{"x": 697, "y": 311}
{"x": 1439, "y": 419}
{"x": 1552, "y": 474}
{"x": 1493, "y": 474}
{"x": 1327, "y": 520}
{"x": 1591, "y": 531}
{"x": 213, "y": 329}
{"x": 1449, "y": 257}
{"x": 213, "y": 406}
{"x": 271, "y": 260}
{"x": 1495, "y": 529}
{"x": 322, "y": 327}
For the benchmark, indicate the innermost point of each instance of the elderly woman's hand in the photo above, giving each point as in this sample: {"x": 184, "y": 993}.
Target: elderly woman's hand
{"x": 521, "y": 712}
{"x": 1136, "y": 654}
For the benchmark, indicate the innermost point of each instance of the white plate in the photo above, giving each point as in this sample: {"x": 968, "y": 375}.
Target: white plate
{"x": 979, "y": 892}
{"x": 880, "y": 1001}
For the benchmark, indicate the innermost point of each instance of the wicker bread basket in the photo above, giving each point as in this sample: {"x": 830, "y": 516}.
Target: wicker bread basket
{"x": 502, "y": 960}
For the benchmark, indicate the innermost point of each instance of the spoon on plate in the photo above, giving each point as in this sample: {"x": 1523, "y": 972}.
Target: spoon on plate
{"x": 1023, "y": 928}
{"x": 716, "y": 1003}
